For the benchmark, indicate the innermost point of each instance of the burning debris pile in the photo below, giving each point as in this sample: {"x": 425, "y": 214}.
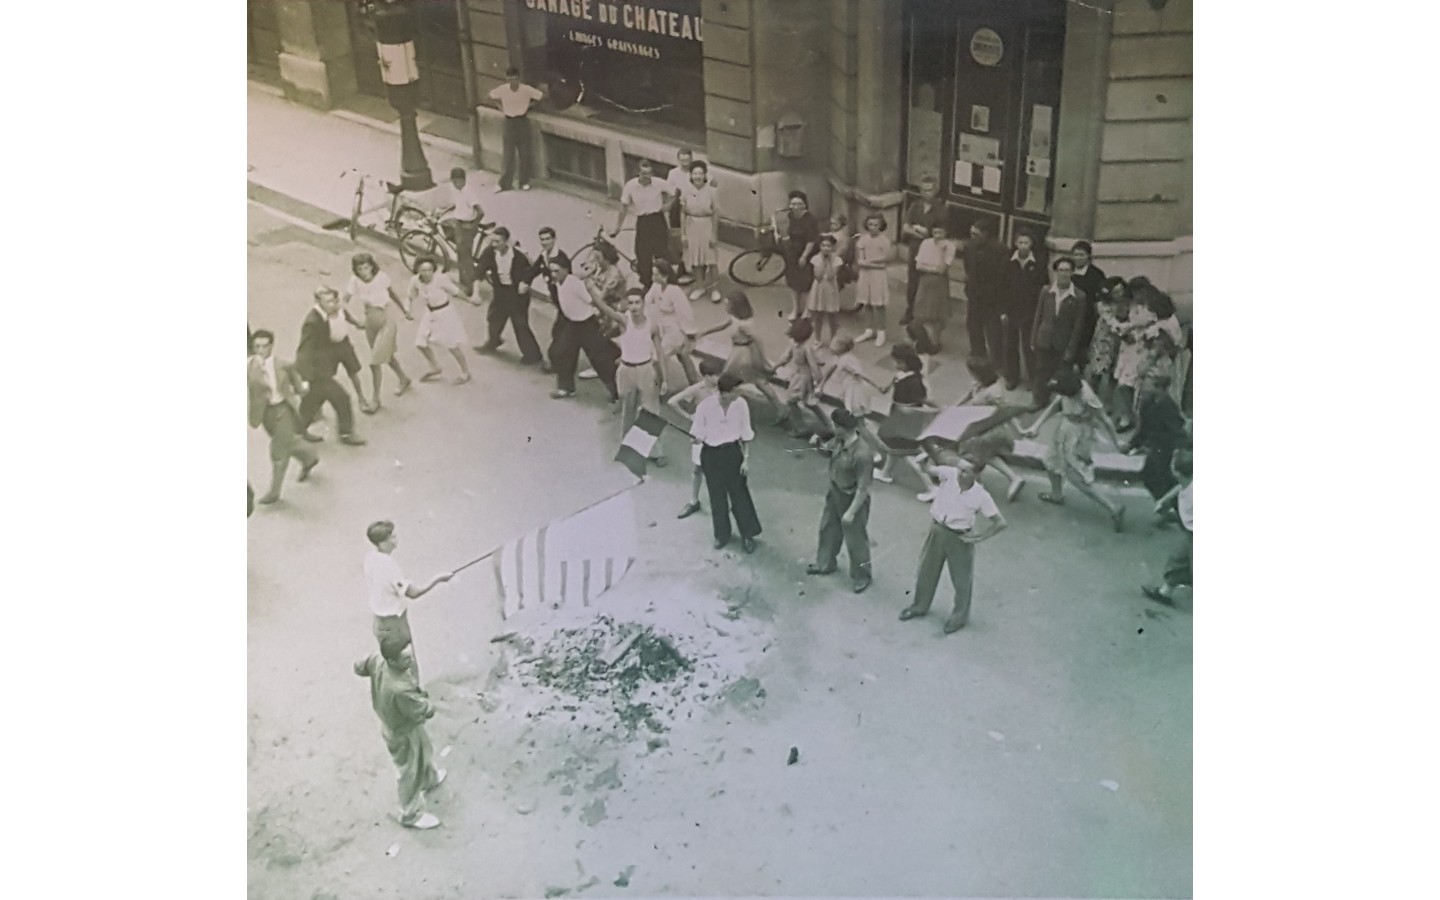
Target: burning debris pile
{"x": 634, "y": 669}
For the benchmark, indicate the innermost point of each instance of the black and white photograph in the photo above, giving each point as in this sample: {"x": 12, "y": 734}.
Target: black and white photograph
{"x": 719, "y": 448}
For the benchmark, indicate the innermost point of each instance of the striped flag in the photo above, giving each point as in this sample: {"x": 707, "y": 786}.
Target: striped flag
{"x": 570, "y": 561}
{"x": 639, "y": 442}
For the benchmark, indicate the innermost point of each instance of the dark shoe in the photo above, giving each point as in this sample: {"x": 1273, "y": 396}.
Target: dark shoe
{"x": 813, "y": 569}
{"x": 721, "y": 542}
{"x": 909, "y": 613}
{"x": 488, "y": 347}
{"x": 658, "y": 462}
{"x": 860, "y": 584}
{"x": 689, "y": 510}
{"x": 354, "y": 440}
{"x": 1153, "y": 593}
{"x": 306, "y": 469}
{"x": 558, "y": 394}
{"x": 312, "y": 438}
{"x": 546, "y": 367}
{"x": 1118, "y": 520}
{"x": 747, "y": 544}
{"x": 906, "y": 319}
{"x": 952, "y": 626}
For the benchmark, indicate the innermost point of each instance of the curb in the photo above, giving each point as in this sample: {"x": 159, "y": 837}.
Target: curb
{"x": 1110, "y": 467}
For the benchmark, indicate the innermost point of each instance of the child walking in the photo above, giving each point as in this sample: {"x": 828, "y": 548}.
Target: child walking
{"x": 1071, "y": 448}
{"x": 908, "y": 392}
{"x": 802, "y": 368}
{"x": 873, "y": 252}
{"x": 684, "y": 403}
{"x": 853, "y": 388}
{"x": 825, "y": 293}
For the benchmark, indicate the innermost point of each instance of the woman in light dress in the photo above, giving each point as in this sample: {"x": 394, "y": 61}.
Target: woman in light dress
{"x": 439, "y": 320}
{"x": 373, "y": 289}
{"x": 1070, "y": 454}
{"x": 825, "y": 292}
{"x": 747, "y": 357}
{"x": 697, "y": 228}
{"x": 873, "y": 252}
{"x": 669, "y": 308}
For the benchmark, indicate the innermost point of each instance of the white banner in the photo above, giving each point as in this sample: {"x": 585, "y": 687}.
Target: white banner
{"x": 397, "y": 63}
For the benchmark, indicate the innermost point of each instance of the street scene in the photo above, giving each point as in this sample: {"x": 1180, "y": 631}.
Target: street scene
{"x": 505, "y": 640}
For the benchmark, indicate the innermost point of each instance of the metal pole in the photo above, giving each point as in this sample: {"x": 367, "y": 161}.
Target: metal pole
{"x": 395, "y": 43}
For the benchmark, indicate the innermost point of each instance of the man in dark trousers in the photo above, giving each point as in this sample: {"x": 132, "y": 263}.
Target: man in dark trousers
{"x": 275, "y": 389}
{"x": 581, "y": 331}
{"x": 847, "y": 504}
{"x": 924, "y": 213}
{"x": 1089, "y": 280}
{"x": 984, "y": 291}
{"x": 1024, "y": 279}
{"x": 1059, "y": 323}
{"x": 507, "y": 271}
{"x": 649, "y": 199}
{"x": 722, "y": 426}
{"x": 549, "y": 253}
{"x": 317, "y": 357}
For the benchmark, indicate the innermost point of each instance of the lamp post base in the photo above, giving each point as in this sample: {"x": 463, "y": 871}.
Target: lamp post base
{"x": 414, "y": 168}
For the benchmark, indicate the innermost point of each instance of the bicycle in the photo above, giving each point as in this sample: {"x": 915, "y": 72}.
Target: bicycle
{"x": 429, "y": 239}
{"x": 763, "y": 265}
{"x": 401, "y": 218}
{"x": 581, "y": 258}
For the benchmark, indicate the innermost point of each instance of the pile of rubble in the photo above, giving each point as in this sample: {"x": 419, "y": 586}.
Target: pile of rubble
{"x": 640, "y": 664}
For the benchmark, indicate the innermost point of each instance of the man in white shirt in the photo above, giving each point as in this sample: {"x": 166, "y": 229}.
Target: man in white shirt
{"x": 515, "y": 100}
{"x": 460, "y": 216}
{"x": 388, "y": 590}
{"x": 648, "y": 198}
{"x": 962, "y": 515}
{"x": 275, "y": 389}
{"x": 722, "y": 426}
{"x": 580, "y": 331}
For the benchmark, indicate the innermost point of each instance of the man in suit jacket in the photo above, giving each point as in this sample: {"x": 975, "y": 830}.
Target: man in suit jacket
{"x": 1024, "y": 279}
{"x": 508, "y": 272}
{"x": 1089, "y": 280}
{"x": 549, "y": 253}
{"x": 984, "y": 291}
{"x": 1059, "y": 324}
{"x": 323, "y": 343}
{"x": 275, "y": 388}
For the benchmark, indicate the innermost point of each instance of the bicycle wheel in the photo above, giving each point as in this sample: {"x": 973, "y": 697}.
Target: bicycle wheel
{"x": 417, "y": 244}
{"x": 406, "y": 218}
{"x": 581, "y": 257}
{"x": 757, "y": 268}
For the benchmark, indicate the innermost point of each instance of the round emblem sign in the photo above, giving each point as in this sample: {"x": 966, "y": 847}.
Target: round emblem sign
{"x": 986, "y": 47}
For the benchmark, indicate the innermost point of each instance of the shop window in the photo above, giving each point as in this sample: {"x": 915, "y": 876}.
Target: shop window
{"x": 575, "y": 162}
{"x": 927, "y": 88}
{"x": 645, "y": 68}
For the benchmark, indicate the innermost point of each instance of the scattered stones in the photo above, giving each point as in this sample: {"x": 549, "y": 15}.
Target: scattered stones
{"x": 624, "y": 879}
{"x": 794, "y": 756}
{"x": 1109, "y": 785}
{"x": 995, "y": 735}
{"x": 525, "y": 808}
{"x": 594, "y": 812}
{"x": 393, "y": 850}
{"x": 554, "y": 891}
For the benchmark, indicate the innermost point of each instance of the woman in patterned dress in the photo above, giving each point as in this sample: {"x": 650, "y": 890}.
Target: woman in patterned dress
{"x": 1113, "y": 311}
{"x": 1069, "y": 457}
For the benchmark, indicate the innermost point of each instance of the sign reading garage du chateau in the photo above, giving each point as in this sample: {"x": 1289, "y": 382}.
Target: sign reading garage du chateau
{"x": 627, "y": 27}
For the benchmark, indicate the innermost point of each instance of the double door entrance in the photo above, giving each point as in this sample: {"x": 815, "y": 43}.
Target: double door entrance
{"x": 982, "y": 83}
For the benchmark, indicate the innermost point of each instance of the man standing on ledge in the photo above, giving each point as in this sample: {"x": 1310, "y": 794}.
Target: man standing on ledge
{"x": 515, "y": 100}
{"x": 649, "y": 198}
{"x": 959, "y": 501}
{"x": 847, "y": 504}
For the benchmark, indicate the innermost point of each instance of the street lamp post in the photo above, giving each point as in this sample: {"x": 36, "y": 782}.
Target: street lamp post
{"x": 395, "y": 43}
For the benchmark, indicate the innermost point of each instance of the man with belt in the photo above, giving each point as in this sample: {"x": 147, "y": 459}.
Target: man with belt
{"x": 549, "y": 253}
{"x": 324, "y": 345}
{"x": 515, "y": 100}
{"x": 924, "y": 213}
{"x": 507, "y": 271}
{"x": 650, "y": 199}
{"x": 959, "y": 502}
{"x": 275, "y": 389}
{"x": 460, "y": 215}
{"x": 581, "y": 331}
{"x": 722, "y": 426}
{"x": 847, "y": 504}
{"x": 389, "y": 591}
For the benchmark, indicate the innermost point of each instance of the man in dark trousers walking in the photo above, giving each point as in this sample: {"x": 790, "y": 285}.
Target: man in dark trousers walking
{"x": 507, "y": 271}
{"x": 275, "y": 388}
{"x": 722, "y": 426}
{"x": 1024, "y": 278}
{"x": 549, "y": 253}
{"x": 322, "y": 344}
{"x": 847, "y": 504}
{"x": 1059, "y": 324}
{"x": 581, "y": 331}
{"x": 984, "y": 291}
{"x": 924, "y": 213}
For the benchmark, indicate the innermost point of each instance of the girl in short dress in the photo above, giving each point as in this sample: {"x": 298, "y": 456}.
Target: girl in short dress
{"x": 825, "y": 293}
{"x": 439, "y": 320}
{"x": 846, "y": 377}
{"x": 907, "y": 392}
{"x": 873, "y": 252}
{"x": 669, "y": 308}
{"x": 1112, "y": 312}
{"x": 932, "y": 295}
{"x": 801, "y": 368}
{"x": 697, "y": 225}
{"x": 801, "y": 243}
{"x": 1069, "y": 457}
{"x": 747, "y": 357}
{"x": 372, "y": 288}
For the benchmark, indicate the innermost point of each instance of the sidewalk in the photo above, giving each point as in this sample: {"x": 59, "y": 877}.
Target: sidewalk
{"x": 301, "y": 160}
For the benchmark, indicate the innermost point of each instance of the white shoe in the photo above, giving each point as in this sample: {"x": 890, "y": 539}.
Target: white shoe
{"x": 426, "y": 822}
{"x": 439, "y": 778}
{"x": 879, "y": 338}
{"x": 697, "y": 293}
{"x": 865, "y": 335}
{"x": 925, "y": 496}
{"x": 524, "y": 187}
{"x": 883, "y": 478}
{"x": 716, "y": 297}
{"x": 498, "y": 189}
{"x": 588, "y": 374}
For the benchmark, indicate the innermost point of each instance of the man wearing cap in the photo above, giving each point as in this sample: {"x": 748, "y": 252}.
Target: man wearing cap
{"x": 460, "y": 214}
{"x": 847, "y": 504}
{"x": 960, "y": 506}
